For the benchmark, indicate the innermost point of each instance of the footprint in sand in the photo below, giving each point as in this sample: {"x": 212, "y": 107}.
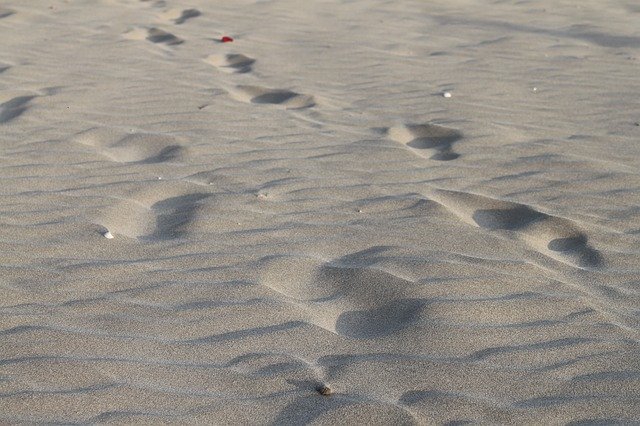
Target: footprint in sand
{"x": 231, "y": 62}
{"x": 285, "y": 98}
{"x": 174, "y": 215}
{"x": 427, "y": 140}
{"x": 160, "y": 212}
{"x": 13, "y": 108}
{"x": 155, "y": 3}
{"x": 552, "y": 236}
{"x": 5, "y": 12}
{"x": 345, "y": 298}
{"x": 154, "y": 35}
{"x": 179, "y": 16}
{"x": 140, "y": 148}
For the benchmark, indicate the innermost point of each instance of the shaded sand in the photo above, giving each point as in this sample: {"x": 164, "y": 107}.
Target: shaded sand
{"x": 297, "y": 227}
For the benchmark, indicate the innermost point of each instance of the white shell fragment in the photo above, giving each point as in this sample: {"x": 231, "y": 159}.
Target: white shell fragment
{"x": 447, "y": 94}
{"x": 107, "y": 234}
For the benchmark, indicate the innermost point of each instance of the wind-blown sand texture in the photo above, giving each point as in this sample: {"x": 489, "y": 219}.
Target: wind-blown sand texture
{"x": 305, "y": 230}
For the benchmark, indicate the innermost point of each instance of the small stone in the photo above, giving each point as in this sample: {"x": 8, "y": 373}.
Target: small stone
{"x": 324, "y": 390}
{"x": 535, "y": 89}
{"x": 108, "y": 235}
{"x": 447, "y": 94}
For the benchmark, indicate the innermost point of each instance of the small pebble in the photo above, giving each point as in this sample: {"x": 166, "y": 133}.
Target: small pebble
{"x": 324, "y": 390}
{"x": 108, "y": 235}
{"x": 535, "y": 89}
{"x": 159, "y": 177}
{"x": 226, "y": 39}
{"x": 447, "y": 94}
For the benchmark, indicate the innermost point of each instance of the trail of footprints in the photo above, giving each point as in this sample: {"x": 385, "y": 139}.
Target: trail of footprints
{"x": 555, "y": 237}
{"x": 163, "y": 218}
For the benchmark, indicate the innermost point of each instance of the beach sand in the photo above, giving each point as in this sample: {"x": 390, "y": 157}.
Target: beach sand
{"x": 298, "y": 226}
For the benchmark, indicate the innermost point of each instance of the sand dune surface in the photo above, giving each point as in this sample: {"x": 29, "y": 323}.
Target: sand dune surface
{"x": 346, "y": 212}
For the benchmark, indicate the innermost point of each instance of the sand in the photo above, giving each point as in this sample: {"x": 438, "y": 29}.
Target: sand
{"x": 298, "y": 226}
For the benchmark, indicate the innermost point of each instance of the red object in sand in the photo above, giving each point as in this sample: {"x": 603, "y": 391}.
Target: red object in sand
{"x": 226, "y": 39}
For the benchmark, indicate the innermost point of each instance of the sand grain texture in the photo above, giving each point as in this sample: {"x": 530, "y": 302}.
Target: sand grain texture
{"x": 297, "y": 227}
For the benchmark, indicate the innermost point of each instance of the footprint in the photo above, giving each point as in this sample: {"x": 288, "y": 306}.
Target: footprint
{"x": 359, "y": 302}
{"x": 231, "y": 62}
{"x": 187, "y": 14}
{"x": 14, "y": 108}
{"x": 5, "y": 12}
{"x": 140, "y": 148}
{"x": 156, "y": 3}
{"x": 156, "y": 35}
{"x": 285, "y": 98}
{"x": 427, "y": 140}
{"x": 552, "y": 236}
{"x": 163, "y": 211}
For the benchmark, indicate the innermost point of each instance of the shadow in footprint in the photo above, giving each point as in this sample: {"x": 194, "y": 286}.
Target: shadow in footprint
{"x": 232, "y": 62}
{"x": 521, "y": 217}
{"x": 169, "y": 153}
{"x": 385, "y": 320}
{"x": 579, "y": 247}
{"x": 428, "y": 137}
{"x": 304, "y": 410}
{"x": 5, "y": 12}
{"x": 286, "y": 98}
{"x": 274, "y": 97}
{"x": 509, "y": 219}
{"x": 174, "y": 216}
{"x": 157, "y": 35}
{"x": 14, "y": 108}
{"x": 187, "y": 14}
